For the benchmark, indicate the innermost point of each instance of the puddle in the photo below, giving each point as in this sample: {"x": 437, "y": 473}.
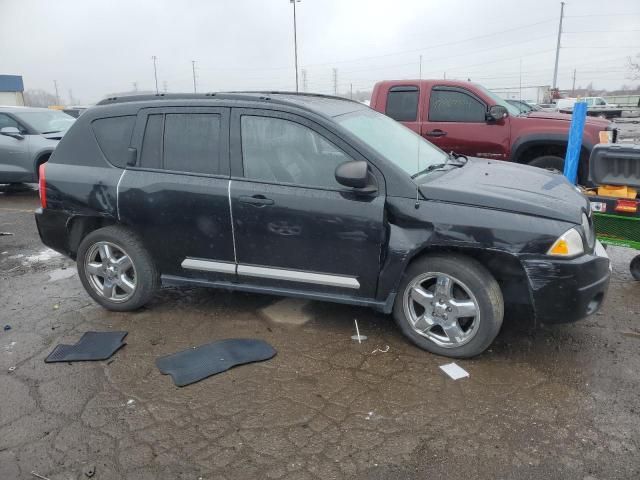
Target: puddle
{"x": 61, "y": 273}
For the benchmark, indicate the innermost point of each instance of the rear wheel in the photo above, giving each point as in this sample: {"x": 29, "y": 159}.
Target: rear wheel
{"x": 449, "y": 305}
{"x": 549, "y": 162}
{"x": 116, "y": 270}
{"x": 634, "y": 267}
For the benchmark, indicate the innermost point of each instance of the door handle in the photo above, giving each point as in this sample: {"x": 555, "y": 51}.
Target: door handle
{"x": 436, "y": 133}
{"x": 256, "y": 200}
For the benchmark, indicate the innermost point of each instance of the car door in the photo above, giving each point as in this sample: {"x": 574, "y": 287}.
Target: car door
{"x": 457, "y": 121}
{"x": 176, "y": 196}
{"x": 14, "y": 153}
{"x": 295, "y": 227}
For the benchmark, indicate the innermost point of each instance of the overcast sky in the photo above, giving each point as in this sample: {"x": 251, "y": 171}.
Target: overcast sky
{"x": 96, "y": 47}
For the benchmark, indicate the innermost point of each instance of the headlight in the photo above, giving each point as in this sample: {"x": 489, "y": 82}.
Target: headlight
{"x": 568, "y": 245}
{"x": 606, "y": 136}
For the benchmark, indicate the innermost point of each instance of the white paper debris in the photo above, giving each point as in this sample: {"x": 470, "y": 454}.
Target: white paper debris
{"x": 454, "y": 371}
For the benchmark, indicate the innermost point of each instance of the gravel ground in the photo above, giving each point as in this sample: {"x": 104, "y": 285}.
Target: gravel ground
{"x": 552, "y": 402}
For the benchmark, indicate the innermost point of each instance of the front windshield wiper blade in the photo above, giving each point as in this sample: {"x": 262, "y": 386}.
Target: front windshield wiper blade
{"x": 430, "y": 168}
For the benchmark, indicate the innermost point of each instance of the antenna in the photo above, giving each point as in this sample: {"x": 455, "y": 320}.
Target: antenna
{"x": 417, "y": 204}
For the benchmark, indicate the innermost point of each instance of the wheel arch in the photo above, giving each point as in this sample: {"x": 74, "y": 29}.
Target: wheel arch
{"x": 79, "y": 226}
{"x": 39, "y": 159}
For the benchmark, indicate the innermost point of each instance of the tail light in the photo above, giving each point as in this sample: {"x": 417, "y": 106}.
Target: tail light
{"x": 629, "y": 206}
{"x": 42, "y": 185}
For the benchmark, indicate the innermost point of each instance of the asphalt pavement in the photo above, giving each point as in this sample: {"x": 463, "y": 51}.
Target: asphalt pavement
{"x": 557, "y": 402}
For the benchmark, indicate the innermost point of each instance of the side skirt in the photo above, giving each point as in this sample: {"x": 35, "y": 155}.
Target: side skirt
{"x": 384, "y": 307}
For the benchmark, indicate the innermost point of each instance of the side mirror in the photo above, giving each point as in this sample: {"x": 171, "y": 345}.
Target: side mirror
{"x": 11, "y": 132}
{"x": 353, "y": 174}
{"x": 497, "y": 112}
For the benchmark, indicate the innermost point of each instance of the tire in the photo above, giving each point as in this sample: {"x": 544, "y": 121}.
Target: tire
{"x": 472, "y": 284}
{"x": 634, "y": 267}
{"x": 549, "y": 162}
{"x": 109, "y": 279}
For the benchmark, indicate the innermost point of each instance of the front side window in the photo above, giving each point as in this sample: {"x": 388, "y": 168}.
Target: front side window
{"x": 282, "y": 151}
{"x": 182, "y": 142}
{"x": 454, "y": 106}
{"x": 402, "y": 103}
{"x": 7, "y": 121}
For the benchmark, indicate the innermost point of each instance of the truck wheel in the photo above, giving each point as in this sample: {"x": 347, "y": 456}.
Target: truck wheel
{"x": 549, "y": 162}
{"x": 116, "y": 270}
{"x": 449, "y": 305}
{"x": 634, "y": 267}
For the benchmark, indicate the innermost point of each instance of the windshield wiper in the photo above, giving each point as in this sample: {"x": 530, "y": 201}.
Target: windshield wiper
{"x": 430, "y": 168}
{"x": 52, "y": 131}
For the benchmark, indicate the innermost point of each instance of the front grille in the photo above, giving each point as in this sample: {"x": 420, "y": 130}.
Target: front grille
{"x": 617, "y": 230}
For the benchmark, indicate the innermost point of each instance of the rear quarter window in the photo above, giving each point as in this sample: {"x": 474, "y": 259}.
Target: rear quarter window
{"x": 402, "y": 103}
{"x": 114, "y": 137}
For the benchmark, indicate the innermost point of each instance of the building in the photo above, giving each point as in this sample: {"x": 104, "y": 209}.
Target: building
{"x": 11, "y": 90}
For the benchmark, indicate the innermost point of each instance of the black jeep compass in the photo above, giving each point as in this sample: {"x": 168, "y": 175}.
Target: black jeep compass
{"x": 317, "y": 197}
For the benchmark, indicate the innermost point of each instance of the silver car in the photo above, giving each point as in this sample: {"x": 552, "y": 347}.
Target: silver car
{"x": 28, "y": 136}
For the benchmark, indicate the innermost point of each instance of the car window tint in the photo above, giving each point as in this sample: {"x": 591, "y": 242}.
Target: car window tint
{"x": 451, "y": 106}
{"x": 191, "y": 142}
{"x": 281, "y": 151}
{"x": 151, "y": 155}
{"x": 402, "y": 104}
{"x": 114, "y": 136}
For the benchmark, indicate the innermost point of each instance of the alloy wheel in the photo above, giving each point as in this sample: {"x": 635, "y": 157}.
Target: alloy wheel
{"x": 110, "y": 271}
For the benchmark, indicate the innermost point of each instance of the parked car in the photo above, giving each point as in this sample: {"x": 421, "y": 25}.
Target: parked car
{"x": 469, "y": 119}
{"x": 596, "y": 107}
{"x": 523, "y": 107}
{"x": 316, "y": 197}
{"x": 28, "y": 136}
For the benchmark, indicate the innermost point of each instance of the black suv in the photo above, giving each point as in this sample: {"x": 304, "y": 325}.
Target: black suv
{"x": 317, "y": 197}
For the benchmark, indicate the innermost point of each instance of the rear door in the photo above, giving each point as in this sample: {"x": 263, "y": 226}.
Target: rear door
{"x": 456, "y": 120}
{"x": 403, "y": 105}
{"x": 295, "y": 227}
{"x": 176, "y": 195}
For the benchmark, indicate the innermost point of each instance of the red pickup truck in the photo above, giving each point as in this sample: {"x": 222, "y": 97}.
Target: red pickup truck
{"x": 468, "y": 119}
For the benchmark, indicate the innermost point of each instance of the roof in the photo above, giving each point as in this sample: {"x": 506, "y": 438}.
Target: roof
{"x": 324, "y": 104}
{"x": 11, "y": 83}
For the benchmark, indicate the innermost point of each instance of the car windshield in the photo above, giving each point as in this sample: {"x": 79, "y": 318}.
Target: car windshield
{"x": 499, "y": 100}
{"x": 522, "y": 106}
{"x": 47, "y": 121}
{"x": 391, "y": 139}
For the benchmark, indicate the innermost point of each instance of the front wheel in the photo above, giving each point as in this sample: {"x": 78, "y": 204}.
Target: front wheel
{"x": 450, "y": 305}
{"x": 116, "y": 270}
{"x": 548, "y": 162}
{"x": 634, "y": 267}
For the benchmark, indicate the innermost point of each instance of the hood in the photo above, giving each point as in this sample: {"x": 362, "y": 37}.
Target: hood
{"x": 509, "y": 186}
{"x": 595, "y": 121}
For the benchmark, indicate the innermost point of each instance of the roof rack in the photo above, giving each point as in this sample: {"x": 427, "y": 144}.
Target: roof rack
{"x": 199, "y": 96}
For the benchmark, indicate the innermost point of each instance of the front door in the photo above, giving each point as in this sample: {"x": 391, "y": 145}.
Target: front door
{"x": 295, "y": 226}
{"x": 177, "y": 194}
{"x": 15, "y": 164}
{"x": 457, "y": 121}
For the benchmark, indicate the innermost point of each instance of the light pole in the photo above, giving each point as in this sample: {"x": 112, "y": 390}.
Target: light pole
{"x": 295, "y": 39}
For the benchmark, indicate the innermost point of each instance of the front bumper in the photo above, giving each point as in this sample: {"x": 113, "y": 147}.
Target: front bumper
{"x": 565, "y": 291}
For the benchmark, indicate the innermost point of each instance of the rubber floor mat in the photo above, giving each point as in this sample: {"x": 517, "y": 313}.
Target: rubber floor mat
{"x": 92, "y": 346}
{"x": 195, "y": 364}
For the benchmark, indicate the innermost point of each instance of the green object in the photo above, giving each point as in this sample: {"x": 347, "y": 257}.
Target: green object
{"x": 617, "y": 230}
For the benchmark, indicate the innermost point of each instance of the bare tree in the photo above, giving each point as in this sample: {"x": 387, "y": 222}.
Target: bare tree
{"x": 634, "y": 68}
{"x": 39, "y": 98}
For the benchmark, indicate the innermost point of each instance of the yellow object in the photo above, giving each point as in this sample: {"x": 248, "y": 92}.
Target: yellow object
{"x": 618, "y": 192}
{"x": 605, "y": 136}
{"x": 560, "y": 248}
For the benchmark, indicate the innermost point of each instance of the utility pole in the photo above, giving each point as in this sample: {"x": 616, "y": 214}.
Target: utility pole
{"x": 155, "y": 71}
{"x": 295, "y": 39}
{"x": 303, "y": 72}
{"x": 573, "y": 88}
{"x": 135, "y": 86}
{"x": 335, "y": 81}
{"x": 420, "y": 69}
{"x": 164, "y": 86}
{"x": 555, "y": 69}
{"x": 193, "y": 67}
{"x": 351, "y": 91}
{"x": 55, "y": 85}
{"x": 445, "y": 75}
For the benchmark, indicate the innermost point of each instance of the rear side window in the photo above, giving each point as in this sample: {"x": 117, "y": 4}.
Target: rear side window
{"x": 402, "y": 103}
{"x": 453, "y": 106}
{"x": 183, "y": 142}
{"x": 114, "y": 136}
